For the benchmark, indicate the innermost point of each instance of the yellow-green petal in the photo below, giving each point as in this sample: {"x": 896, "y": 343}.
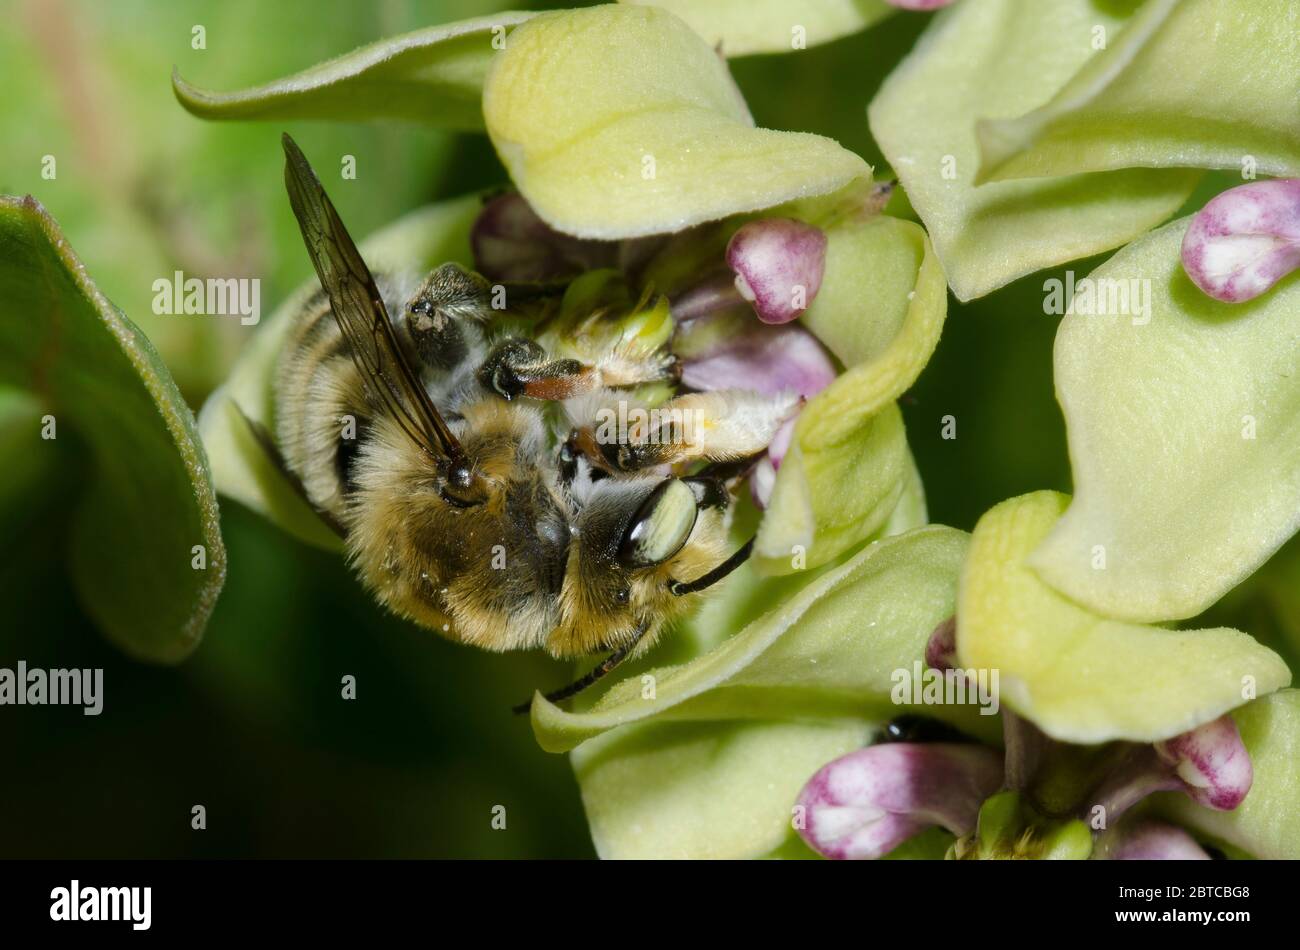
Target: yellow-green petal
{"x": 742, "y": 27}
{"x": 620, "y": 121}
{"x": 702, "y": 790}
{"x": 1184, "y": 429}
{"x": 826, "y": 652}
{"x": 1267, "y": 823}
{"x": 997, "y": 59}
{"x": 433, "y": 75}
{"x": 1082, "y": 677}
{"x": 241, "y": 470}
{"x": 880, "y": 311}
{"x": 1203, "y": 83}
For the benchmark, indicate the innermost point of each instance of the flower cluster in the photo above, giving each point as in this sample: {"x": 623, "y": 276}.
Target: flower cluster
{"x": 790, "y": 267}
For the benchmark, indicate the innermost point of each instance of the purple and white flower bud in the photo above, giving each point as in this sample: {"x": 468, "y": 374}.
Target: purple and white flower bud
{"x": 510, "y": 242}
{"x": 1245, "y": 240}
{"x": 1212, "y": 762}
{"x": 1149, "y": 841}
{"x": 1209, "y": 764}
{"x": 779, "y": 264}
{"x": 865, "y": 804}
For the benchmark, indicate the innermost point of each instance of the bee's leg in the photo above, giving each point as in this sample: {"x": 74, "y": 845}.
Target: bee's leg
{"x": 682, "y": 588}
{"x": 719, "y": 426}
{"x": 728, "y": 470}
{"x": 519, "y": 367}
{"x": 598, "y": 672}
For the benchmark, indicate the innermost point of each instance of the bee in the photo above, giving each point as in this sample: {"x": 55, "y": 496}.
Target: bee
{"x": 423, "y": 431}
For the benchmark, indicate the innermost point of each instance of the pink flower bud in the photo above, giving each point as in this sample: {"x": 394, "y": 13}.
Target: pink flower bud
{"x": 1212, "y": 762}
{"x": 779, "y": 265}
{"x": 865, "y": 804}
{"x": 1245, "y": 240}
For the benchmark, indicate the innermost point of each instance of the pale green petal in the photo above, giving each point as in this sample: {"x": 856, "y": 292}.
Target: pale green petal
{"x": 827, "y": 652}
{"x": 996, "y": 59}
{"x": 911, "y": 510}
{"x": 1201, "y": 83}
{"x": 1184, "y": 439}
{"x": 102, "y": 422}
{"x": 241, "y": 470}
{"x": 1267, "y": 823}
{"x": 702, "y": 790}
{"x": 434, "y": 75}
{"x": 741, "y": 27}
{"x": 1081, "y": 677}
{"x": 620, "y": 121}
{"x": 880, "y": 311}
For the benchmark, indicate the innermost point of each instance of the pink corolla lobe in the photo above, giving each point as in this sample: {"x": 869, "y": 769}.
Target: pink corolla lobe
{"x": 865, "y": 804}
{"x": 768, "y": 359}
{"x": 1245, "y": 240}
{"x": 779, "y": 264}
{"x": 1149, "y": 841}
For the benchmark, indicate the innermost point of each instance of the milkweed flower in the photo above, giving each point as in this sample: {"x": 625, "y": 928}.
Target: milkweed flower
{"x": 631, "y": 151}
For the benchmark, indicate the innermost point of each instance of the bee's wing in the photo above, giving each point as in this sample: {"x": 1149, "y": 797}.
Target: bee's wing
{"x": 359, "y": 309}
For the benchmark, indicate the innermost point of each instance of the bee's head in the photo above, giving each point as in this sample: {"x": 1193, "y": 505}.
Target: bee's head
{"x": 634, "y": 537}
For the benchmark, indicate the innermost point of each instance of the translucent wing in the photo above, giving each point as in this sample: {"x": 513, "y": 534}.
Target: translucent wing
{"x": 359, "y": 309}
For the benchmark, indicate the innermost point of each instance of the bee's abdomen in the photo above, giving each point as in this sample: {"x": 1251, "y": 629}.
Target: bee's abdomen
{"x": 322, "y": 415}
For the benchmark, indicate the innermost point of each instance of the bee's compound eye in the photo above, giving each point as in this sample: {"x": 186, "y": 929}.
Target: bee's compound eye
{"x": 660, "y": 526}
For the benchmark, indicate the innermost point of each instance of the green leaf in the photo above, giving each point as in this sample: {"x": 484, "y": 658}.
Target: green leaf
{"x": 1081, "y": 677}
{"x": 702, "y": 790}
{"x": 1204, "y": 83}
{"x": 417, "y": 242}
{"x": 619, "y": 121}
{"x": 844, "y": 472}
{"x": 432, "y": 75}
{"x": 1267, "y": 823}
{"x": 742, "y": 27}
{"x": 995, "y": 59}
{"x": 1184, "y": 438}
{"x": 146, "y": 498}
{"x": 825, "y": 652}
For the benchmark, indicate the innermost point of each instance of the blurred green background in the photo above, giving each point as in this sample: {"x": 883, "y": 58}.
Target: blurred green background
{"x": 253, "y": 726}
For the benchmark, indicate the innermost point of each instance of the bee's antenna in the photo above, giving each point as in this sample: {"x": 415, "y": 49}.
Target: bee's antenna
{"x": 682, "y": 588}
{"x": 598, "y": 672}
